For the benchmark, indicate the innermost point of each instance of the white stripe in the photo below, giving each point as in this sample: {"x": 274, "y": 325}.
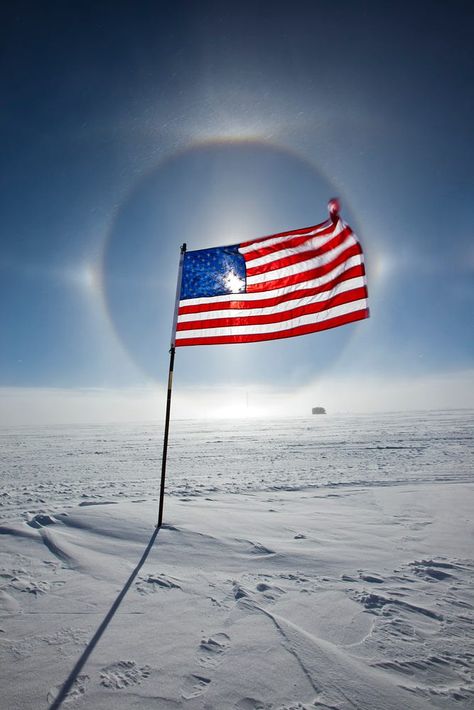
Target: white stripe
{"x": 302, "y": 266}
{"x": 274, "y": 327}
{"x": 357, "y": 282}
{"x": 355, "y": 260}
{"x": 308, "y": 245}
{"x": 262, "y": 244}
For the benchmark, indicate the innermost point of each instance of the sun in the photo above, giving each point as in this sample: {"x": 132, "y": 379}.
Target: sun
{"x": 233, "y": 282}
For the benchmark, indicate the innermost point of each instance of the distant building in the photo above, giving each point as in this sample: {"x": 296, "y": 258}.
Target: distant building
{"x": 318, "y": 410}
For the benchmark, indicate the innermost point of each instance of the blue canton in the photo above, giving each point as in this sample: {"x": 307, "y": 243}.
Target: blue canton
{"x": 213, "y": 272}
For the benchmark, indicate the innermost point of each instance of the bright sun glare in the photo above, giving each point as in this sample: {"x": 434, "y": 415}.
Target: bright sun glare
{"x": 233, "y": 282}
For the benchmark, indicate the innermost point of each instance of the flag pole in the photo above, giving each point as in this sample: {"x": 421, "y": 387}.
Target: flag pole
{"x": 170, "y": 385}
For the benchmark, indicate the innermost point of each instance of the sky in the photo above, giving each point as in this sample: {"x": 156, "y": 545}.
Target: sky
{"x": 129, "y": 128}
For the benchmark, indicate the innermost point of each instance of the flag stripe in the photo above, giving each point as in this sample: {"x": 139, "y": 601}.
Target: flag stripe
{"x": 333, "y": 322}
{"x": 293, "y": 276}
{"x": 347, "y": 270}
{"x": 282, "y": 324}
{"x": 306, "y": 251}
{"x": 304, "y": 266}
{"x": 258, "y": 309}
{"x": 256, "y": 244}
{"x": 236, "y": 320}
{"x": 270, "y": 246}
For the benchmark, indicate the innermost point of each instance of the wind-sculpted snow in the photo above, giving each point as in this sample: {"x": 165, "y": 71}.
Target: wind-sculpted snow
{"x": 235, "y": 610}
{"x": 49, "y": 467}
{"x": 273, "y": 594}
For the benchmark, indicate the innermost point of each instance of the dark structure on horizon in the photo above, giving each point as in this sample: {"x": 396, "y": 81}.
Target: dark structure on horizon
{"x": 318, "y": 410}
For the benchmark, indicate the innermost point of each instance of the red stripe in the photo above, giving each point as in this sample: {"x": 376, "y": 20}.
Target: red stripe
{"x": 294, "y": 232}
{"x": 318, "y": 307}
{"x": 306, "y": 275}
{"x": 350, "y": 273}
{"x": 290, "y": 333}
{"x": 289, "y": 243}
{"x": 299, "y": 256}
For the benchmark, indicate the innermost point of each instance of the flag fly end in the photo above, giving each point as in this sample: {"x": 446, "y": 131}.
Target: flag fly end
{"x": 334, "y": 207}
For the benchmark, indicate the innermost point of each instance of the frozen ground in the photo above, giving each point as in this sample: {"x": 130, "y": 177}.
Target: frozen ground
{"x": 64, "y": 466}
{"x": 322, "y": 562}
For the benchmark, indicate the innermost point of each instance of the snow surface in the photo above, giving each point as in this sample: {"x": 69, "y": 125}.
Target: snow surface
{"x": 323, "y": 562}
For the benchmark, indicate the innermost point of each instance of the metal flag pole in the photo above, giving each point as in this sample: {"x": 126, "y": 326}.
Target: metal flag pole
{"x": 170, "y": 385}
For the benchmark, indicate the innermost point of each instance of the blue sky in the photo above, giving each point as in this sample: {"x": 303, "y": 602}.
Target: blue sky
{"x": 129, "y": 128}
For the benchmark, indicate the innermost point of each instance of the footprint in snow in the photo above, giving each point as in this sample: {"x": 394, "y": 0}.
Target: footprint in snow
{"x": 210, "y": 655}
{"x": 262, "y": 593}
{"x": 155, "y": 582}
{"x": 239, "y": 592}
{"x": 76, "y": 692}
{"x": 123, "y": 674}
{"x": 194, "y": 685}
{"x": 26, "y": 583}
{"x": 212, "y": 649}
{"x": 41, "y": 520}
{"x": 433, "y": 569}
{"x": 256, "y": 548}
{"x": 269, "y": 592}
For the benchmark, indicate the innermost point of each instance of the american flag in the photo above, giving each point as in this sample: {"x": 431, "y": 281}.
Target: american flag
{"x": 278, "y": 286}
